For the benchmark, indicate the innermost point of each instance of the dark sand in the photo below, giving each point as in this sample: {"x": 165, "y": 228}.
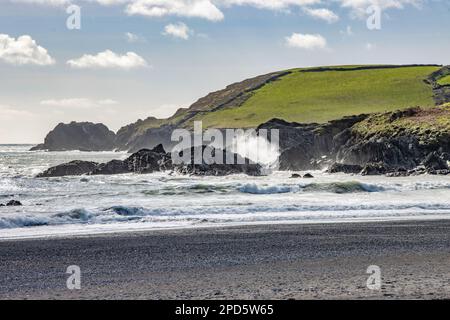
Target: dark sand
{"x": 258, "y": 262}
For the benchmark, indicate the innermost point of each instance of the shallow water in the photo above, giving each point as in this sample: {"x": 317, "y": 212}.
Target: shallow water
{"x": 98, "y": 204}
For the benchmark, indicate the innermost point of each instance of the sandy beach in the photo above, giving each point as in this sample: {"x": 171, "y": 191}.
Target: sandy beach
{"x": 327, "y": 261}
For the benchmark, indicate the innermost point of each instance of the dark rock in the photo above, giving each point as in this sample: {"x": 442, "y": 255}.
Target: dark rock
{"x": 148, "y": 161}
{"x": 310, "y": 146}
{"x": 73, "y": 168}
{"x": 345, "y": 168}
{"x": 13, "y": 203}
{"x": 111, "y": 167}
{"x": 84, "y": 136}
{"x": 239, "y": 164}
{"x": 155, "y": 160}
{"x": 308, "y": 175}
{"x": 2, "y": 205}
{"x": 295, "y": 176}
{"x": 371, "y": 169}
{"x": 434, "y": 162}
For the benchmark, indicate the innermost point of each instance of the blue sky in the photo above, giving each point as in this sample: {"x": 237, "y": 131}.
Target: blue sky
{"x": 179, "y": 52}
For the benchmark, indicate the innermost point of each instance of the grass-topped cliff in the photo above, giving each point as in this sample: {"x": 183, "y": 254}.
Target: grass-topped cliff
{"x": 428, "y": 123}
{"x": 303, "y": 95}
{"x": 319, "y": 96}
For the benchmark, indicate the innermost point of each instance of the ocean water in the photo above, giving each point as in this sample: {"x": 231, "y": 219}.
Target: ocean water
{"x": 104, "y": 204}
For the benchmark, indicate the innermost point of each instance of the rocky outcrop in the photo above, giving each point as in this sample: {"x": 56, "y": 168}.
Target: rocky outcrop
{"x": 400, "y": 142}
{"x": 344, "y": 168}
{"x": 238, "y": 164}
{"x": 11, "y": 203}
{"x": 310, "y": 146}
{"x": 83, "y": 136}
{"x": 156, "y": 160}
{"x": 73, "y": 168}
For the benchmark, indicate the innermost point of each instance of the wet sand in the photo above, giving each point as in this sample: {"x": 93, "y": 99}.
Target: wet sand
{"x": 317, "y": 261}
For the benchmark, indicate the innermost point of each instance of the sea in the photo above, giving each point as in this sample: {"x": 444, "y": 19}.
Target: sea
{"x": 88, "y": 205}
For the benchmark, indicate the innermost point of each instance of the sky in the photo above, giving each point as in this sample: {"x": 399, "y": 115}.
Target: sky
{"x": 121, "y": 60}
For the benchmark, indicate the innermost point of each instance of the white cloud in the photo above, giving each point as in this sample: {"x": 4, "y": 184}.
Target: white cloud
{"x": 77, "y": 103}
{"x": 23, "y": 50}
{"x": 269, "y": 4}
{"x": 179, "y": 30}
{"x": 183, "y": 8}
{"x": 323, "y": 14}
{"x": 10, "y": 113}
{"x": 359, "y": 7}
{"x": 108, "y": 59}
{"x": 210, "y": 9}
{"x": 131, "y": 37}
{"x": 306, "y": 41}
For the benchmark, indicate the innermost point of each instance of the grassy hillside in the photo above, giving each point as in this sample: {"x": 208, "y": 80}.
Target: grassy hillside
{"x": 445, "y": 81}
{"x": 305, "y": 95}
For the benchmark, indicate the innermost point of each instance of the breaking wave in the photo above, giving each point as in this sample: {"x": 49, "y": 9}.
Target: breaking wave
{"x": 333, "y": 187}
{"x": 255, "y": 189}
{"x": 222, "y": 214}
{"x": 342, "y": 187}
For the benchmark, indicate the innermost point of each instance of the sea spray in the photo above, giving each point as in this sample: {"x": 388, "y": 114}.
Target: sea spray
{"x": 258, "y": 148}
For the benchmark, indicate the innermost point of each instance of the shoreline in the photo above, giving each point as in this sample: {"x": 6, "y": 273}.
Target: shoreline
{"x": 282, "y": 261}
{"x": 213, "y": 226}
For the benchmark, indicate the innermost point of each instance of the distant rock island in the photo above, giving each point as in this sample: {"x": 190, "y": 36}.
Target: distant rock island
{"x": 83, "y": 136}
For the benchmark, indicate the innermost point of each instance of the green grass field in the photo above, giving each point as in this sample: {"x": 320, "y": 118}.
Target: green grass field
{"x": 326, "y": 95}
{"x": 445, "y": 81}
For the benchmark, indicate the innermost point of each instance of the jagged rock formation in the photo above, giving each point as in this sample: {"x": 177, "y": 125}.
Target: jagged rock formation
{"x": 409, "y": 141}
{"x": 84, "y": 136}
{"x": 73, "y": 168}
{"x": 155, "y": 160}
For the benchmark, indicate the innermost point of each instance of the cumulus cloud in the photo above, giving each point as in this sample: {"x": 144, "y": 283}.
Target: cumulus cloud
{"x": 23, "y": 50}
{"x": 77, "y": 103}
{"x": 179, "y": 30}
{"x": 108, "y": 59}
{"x": 183, "y": 8}
{"x": 306, "y": 41}
{"x": 322, "y": 14}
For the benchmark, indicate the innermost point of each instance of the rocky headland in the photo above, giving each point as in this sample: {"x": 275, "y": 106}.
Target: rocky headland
{"x": 83, "y": 136}
{"x": 404, "y": 142}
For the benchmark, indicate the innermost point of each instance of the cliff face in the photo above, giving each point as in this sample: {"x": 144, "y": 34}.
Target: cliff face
{"x": 84, "y": 136}
{"x": 378, "y": 143}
